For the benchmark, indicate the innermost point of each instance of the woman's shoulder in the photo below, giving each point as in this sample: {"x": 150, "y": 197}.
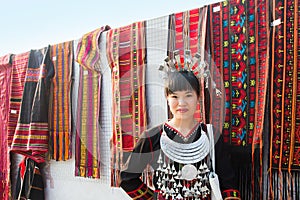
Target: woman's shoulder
{"x": 154, "y": 131}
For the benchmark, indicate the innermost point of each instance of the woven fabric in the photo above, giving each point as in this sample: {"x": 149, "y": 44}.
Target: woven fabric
{"x": 87, "y": 53}
{"x": 87, "y": 143}
{"x": 19, "y": 67}
{"x": 87, "y": 155}
{"x": 187, "y": 31}
{"x": 242, "y": 59}
{"x": 284, "y": 153}
{"x": 60, "y": 105}
{"x": 126, "y": 53}
{"x": 31, "y": 134}
{"x": 5, "y": 77}
{"x": 285, "y": 90}
{"x": 127, "y": 58}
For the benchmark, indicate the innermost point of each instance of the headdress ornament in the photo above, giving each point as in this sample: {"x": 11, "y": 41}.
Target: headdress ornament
{"x": 195, "y": 64}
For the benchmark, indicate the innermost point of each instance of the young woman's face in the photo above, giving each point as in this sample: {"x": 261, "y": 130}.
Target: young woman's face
{"x": 183, "y": 104}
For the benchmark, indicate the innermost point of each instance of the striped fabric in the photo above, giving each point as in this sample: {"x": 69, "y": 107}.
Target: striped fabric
{"x": 126, "y": 55}
{"x": 87, "y": 53}
{"x": 284, "y": 153}
{"x": 87, "y": 155}
{"x": 60, "y": 120}
{"x": 19, "y": 67}
{"x": 5, "y": 77}
{"x": 187, "y": 32}
{"x": 31, "y": 135}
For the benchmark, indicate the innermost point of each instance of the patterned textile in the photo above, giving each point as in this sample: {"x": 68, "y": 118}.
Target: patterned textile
{"x": 60, "y": 120}
{"x": 87, "y": 155}
{"x": 127, "y": 58}
{"x": 284, "y": 152}
{"x": 187, "y": 31}
{"x": 5, "y": 77}
{"x": 87, "y": 53}
{"x": 19, "y": 67}
{"x": 239, "y": 37}
{"x": 31, "y": 135}
{"x": 242, "y": 59}
{"x": 285, "y": 137}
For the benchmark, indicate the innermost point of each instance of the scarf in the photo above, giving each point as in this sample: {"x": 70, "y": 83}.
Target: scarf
{"x": 5, "y": 78}
{"x": 60, "y": 109}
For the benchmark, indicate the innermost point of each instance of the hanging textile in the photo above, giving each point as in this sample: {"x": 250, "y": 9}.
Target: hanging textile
{"x": 284, "y": 97}
{"x": 19, "y": 67}
{"x": 187, "y": 32}
{"x": 87, "y": 144}
{"x": 31, "y": 135}
{"x": 87, "y": 53}
{"x": 127, "y": 58}
{"x": 60, "y": 103}
{"x": 87, "y": 155}
{"x": 5, "y": 78}
{"x": 239, "y": 48}
{"x": 239, "y": 42}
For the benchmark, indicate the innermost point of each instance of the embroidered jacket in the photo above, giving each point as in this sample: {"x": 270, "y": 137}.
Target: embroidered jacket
{"x": 165, "y": 185}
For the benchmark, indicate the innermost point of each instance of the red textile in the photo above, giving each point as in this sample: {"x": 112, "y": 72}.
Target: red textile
{"x": 5, "y": 76}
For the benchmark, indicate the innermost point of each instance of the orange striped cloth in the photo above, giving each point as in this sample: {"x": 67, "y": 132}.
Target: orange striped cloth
{"x": 60, "y": 105}
{"x": 31, "y": 135}
{"x": 126, "y": 51}
{"x": 5, "y": 77}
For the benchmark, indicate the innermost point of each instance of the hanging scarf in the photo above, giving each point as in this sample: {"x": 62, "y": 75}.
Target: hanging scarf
{"x": 19, "y": 67}
{"x": 87, "y": 53}
{"x": 60, "y": 121}
{"x": 127, "y": 58}
{"x": 31, "y": 135}
{"x": 187, "y": 32}
{"x": 241, "y": 57}
{"x": 5, "y": 78}
{"x": 87, "y": 144}
{"x": 239, "y": 33}
{"x": 87, "y": 156}
{"x": 284, "y": 100}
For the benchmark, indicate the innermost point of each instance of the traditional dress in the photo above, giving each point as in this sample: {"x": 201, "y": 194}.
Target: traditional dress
{"x": 181, "y": 165}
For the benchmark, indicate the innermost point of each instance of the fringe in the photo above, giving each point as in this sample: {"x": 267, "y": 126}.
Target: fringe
{"x": 285, "y": 185}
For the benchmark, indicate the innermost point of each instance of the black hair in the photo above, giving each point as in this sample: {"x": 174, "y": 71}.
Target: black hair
{"x": 180, "y": 81}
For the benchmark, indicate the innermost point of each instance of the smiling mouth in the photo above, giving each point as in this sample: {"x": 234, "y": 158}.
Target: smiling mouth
{"x": 182, "y": 110}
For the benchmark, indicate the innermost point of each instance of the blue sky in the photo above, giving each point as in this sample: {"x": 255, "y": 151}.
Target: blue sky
{"x": 33, "y": 24}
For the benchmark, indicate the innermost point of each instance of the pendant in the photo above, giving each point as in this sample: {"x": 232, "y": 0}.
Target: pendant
{"x": 188, "y": 172}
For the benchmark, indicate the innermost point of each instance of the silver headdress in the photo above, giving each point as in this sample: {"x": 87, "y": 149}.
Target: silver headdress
{"x": 195, "y": 64}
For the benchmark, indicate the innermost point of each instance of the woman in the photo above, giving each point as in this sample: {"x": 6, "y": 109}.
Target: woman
{"x": 178, "y": 151}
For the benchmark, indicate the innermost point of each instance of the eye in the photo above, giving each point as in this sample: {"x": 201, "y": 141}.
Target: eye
{"x": 189, "y": 94}
{"x": 174, "y": 96}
